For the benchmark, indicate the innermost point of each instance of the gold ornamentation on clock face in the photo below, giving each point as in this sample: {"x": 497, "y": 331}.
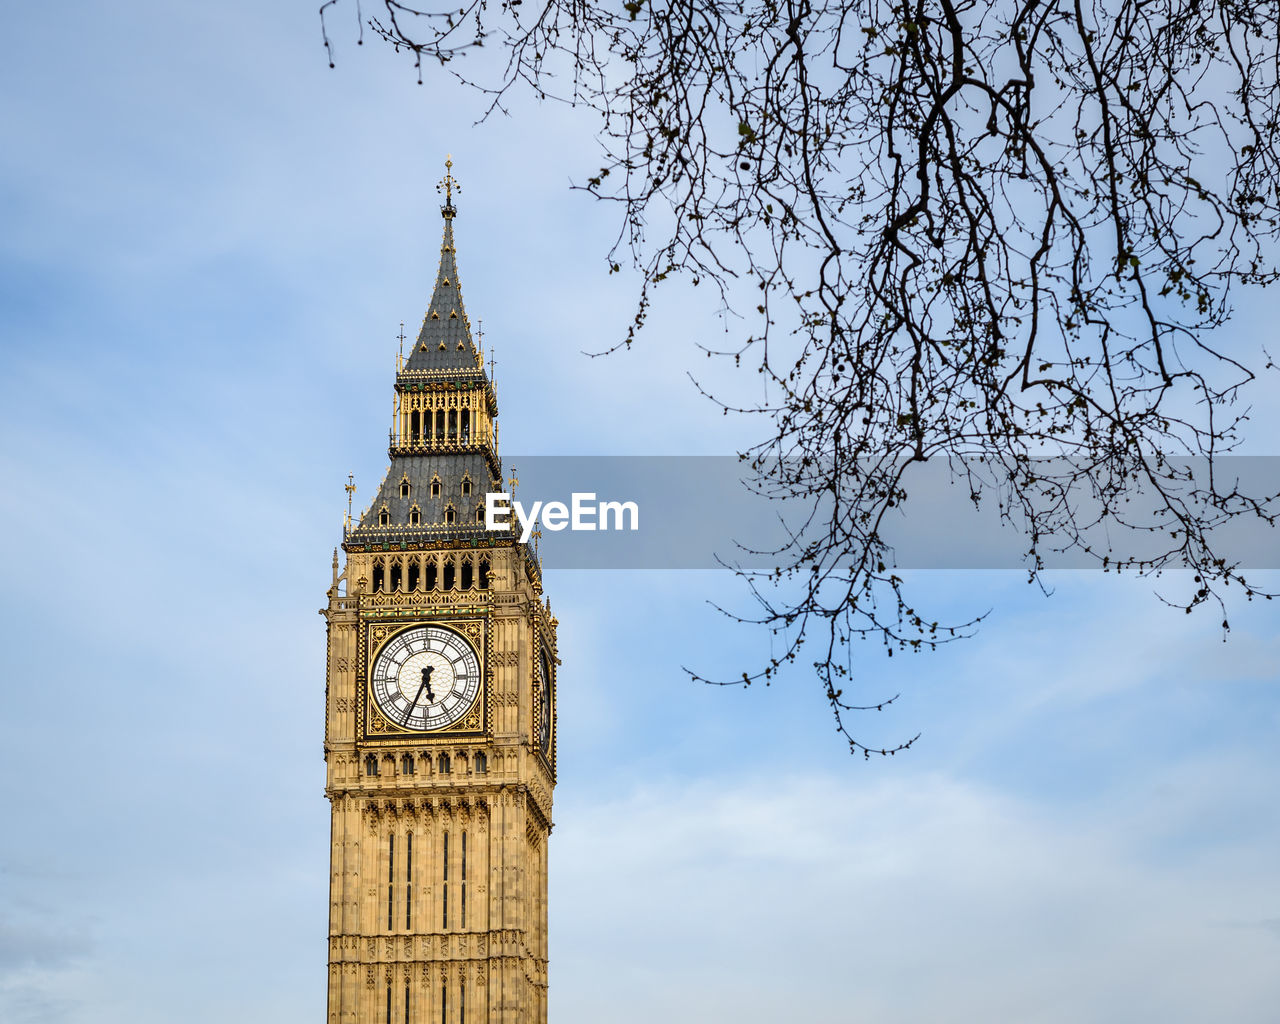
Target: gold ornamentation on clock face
{"x": 425, "y": 678}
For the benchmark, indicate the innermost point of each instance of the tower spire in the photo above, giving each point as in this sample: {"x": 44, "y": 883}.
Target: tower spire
{"x": 444, "y": 342}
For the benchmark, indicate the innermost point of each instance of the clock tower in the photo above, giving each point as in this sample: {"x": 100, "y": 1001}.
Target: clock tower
{"x": 439, "y": 713}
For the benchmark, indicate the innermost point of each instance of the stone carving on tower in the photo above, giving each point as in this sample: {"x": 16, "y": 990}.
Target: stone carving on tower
{"x": 440, "y": 708}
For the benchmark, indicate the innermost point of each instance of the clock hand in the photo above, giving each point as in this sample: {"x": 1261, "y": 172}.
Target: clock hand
{"x": 426, "y": 685}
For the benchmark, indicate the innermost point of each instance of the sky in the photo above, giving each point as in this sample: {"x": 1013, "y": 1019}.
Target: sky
{"x": 210, "y": 241}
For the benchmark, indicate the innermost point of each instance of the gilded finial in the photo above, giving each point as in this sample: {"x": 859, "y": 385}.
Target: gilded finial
{"x": 448, "y": 183}
{"x": 350, "y": 487}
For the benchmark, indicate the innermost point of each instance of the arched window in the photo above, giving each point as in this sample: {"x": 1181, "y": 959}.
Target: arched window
{"x": 415, "y": 425}
{"x": 442, "y": 764}
{"x": 467, "y": 575}
{"x": 448, "y": 576}
{"x": 378, "y": 573}
{"x": 415, "y": 516}
{"x": 406, "y": 764}
{"x": 404, "y": 483}
{"x": 466, "y": 486}
{"x": 370, "y": 765}
{"x": 384, "y": 517}
{"x": 450, "y": 515}
{"x": 396, "y": 575}
{"x": 482, "y": 763}
{"x": 484, "y": 575}
{"x": 435, "y": 487}
{"x": 479, "y": 513}
{"x": 466, "y": 425}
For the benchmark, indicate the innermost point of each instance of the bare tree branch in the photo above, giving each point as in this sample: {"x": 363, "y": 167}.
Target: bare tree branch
{"x": 1000, "y": 234}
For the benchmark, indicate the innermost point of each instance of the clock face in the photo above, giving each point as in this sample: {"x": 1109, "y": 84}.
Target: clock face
{"x": 425, "y": 678}
{"x": 544, "y": 696}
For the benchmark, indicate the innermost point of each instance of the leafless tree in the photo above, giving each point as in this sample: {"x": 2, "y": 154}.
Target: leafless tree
{"x": 996, "y": 233}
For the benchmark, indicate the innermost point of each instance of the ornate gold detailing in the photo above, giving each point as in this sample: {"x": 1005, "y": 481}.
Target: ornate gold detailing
{"x": 350, "y": 488}
{"x": 429, "y": 599}
{"x": 449, "y": 183}
{"x": 471, "y": 723}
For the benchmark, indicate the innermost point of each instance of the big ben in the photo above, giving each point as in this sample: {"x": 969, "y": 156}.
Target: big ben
{"x": 440, "y": 703}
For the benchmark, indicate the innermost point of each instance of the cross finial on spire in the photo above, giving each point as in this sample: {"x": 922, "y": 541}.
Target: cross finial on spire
{"x": 448, "y": 183}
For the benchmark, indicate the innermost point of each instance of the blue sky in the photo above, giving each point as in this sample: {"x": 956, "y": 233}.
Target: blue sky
{"x": 210, "y": 242}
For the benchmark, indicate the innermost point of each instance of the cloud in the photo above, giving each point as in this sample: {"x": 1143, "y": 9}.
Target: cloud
{"x": 907, "y": 899}
{"x": 25, "y": 944}
{"x": 34, "y": 1000}
{"x": 40, "y": 963}
{"x": 1271, "y": 924}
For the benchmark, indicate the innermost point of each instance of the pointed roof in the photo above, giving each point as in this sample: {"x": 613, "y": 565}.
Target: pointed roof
{"x": 462, "y": 479}
{"x": 444, "y": 342}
